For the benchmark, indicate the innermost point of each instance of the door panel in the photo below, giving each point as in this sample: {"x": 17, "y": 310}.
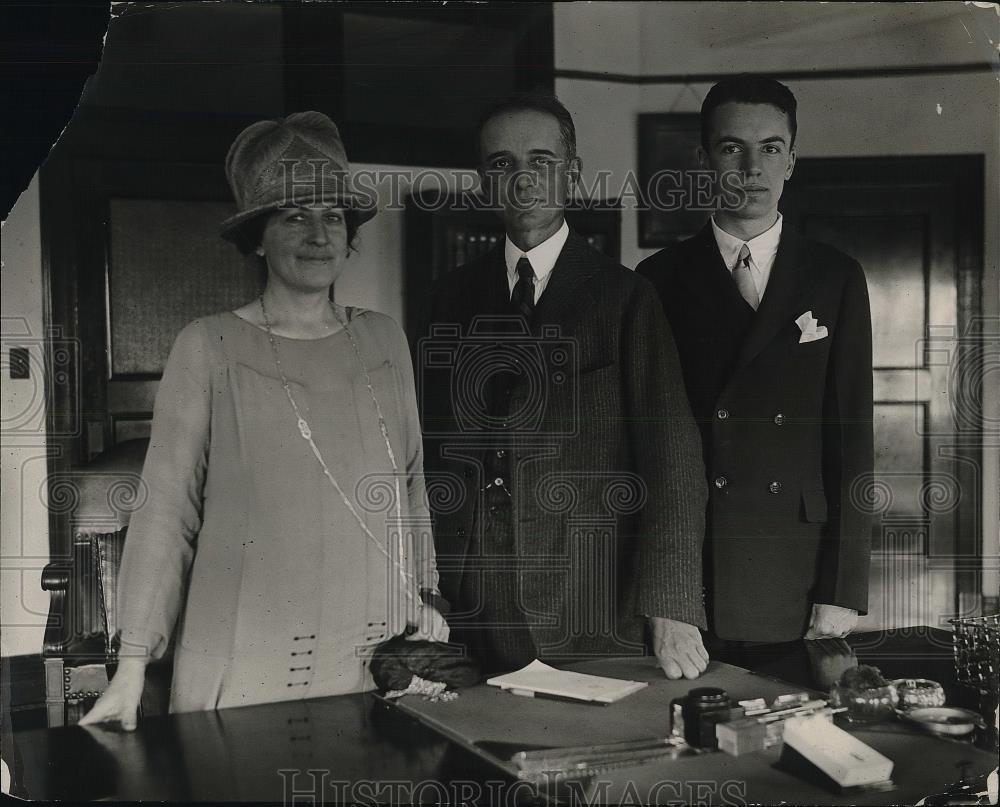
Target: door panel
{"x": 166, "y": 262}
{"x": 166, "y": 265}
{"x": 148, "y": 260}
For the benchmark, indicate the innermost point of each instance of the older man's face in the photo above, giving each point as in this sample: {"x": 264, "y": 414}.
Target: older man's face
{"x": 525, "y": 168}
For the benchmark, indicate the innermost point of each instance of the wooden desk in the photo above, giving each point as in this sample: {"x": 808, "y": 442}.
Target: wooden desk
{"x": 365, "y": 750}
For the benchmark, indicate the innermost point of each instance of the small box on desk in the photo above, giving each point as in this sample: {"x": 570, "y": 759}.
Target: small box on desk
{"x": 738, "y": 737}
{"x": 817, "y": 750}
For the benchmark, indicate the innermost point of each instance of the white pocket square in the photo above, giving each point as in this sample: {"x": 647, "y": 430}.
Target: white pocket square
{"x": 811, "y": 330}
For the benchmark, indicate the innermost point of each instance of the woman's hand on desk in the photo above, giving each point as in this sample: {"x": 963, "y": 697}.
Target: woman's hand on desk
{"x": 678, "y": 647}
{"x": 120, "y": 700}
{"x": 432, "y": 626}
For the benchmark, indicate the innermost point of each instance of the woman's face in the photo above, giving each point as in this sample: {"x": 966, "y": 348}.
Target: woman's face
{"x": 305, "y": 247}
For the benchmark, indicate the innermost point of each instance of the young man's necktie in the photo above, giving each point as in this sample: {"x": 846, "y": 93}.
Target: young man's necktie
{"x": 743, "y": 276}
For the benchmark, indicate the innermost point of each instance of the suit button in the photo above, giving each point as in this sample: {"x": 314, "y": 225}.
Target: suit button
{"x": 501, "y": 453}
{"x": 460, "y": 532}
{"x": 723, "y": 414}
{"x": 779, "y": 419}
{"x": 498, "y": 481}
{"x": 721, "y": 482}
{"x": 774, "y": 487}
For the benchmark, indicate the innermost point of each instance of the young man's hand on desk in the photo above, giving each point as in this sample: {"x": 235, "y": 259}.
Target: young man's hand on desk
{"x": 678, "y": 647}
{"x": 831, "y": 622}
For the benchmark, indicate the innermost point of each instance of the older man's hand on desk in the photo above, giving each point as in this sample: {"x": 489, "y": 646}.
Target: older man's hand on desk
{"x": 678, "y": 647}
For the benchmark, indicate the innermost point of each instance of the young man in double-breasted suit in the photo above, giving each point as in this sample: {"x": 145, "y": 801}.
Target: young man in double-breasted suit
{"x": 552, "y": 399}
{"x": 774, "y": 335}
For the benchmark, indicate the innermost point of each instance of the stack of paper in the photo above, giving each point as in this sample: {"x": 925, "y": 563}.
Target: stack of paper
{"x": 539, "y": 679}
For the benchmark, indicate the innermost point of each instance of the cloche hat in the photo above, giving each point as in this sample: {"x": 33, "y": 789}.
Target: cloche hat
{"x": 297, "y": 160}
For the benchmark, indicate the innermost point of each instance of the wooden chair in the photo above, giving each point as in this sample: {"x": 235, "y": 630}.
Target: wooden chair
{"x": 78, "y": 649}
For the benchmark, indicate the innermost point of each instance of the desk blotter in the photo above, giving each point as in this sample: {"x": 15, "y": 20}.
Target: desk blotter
{"x": 494, "y": 724}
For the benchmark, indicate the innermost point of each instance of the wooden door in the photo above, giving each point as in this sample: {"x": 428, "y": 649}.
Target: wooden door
{"x": 132, "y": 254}
{"x": 147, "y": 259}
{"x": 915, "y": 224}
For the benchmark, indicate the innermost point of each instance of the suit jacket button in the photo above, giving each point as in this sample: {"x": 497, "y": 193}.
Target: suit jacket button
{"x": 501, "y": 453}
{"x": 779, "y": 419}
{"x": 721, "y": 482}
{"x": 774, "y": 487}
{"x": 723, "y": 414}
{"x": 460, "y": 532}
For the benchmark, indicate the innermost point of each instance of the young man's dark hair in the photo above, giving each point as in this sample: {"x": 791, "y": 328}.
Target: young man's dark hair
{"x": 747, "y": 89}
{"x": 537, "y": 102}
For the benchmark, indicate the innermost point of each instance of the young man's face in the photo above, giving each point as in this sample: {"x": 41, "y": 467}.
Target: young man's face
{"x": 752, "y": 142}
{"x": 524, "y": 166}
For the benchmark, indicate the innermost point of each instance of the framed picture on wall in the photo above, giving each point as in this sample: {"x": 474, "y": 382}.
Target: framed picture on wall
{"x": 677, "y": 189}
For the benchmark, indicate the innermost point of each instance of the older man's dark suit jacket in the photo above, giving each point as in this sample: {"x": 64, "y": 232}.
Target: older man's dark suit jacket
{"x": 786, "y": 428}
{"x": 613, "y": 450}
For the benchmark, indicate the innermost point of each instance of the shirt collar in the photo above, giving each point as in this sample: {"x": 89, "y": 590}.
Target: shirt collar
{"x": 763, "y": 247}
{"x": 543, "y": 257}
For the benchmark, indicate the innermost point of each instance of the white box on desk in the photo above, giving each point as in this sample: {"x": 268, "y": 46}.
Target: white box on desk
{"x": 841, "y": 756}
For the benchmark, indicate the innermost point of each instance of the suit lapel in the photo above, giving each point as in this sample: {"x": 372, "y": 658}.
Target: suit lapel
{"x": 784, "y": 287}
{"x": 709, "y": 277}
{"x": 488, "y": 292}
{"x": 566, "y": 289}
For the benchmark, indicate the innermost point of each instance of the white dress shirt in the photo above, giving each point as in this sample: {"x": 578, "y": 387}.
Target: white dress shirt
{"x": 763, "y": 249}
{"x": 543, "y": 258}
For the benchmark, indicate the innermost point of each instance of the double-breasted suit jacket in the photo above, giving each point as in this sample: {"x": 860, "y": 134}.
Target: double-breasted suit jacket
{"x": 606, "y": 478}
{"x": 786, "y": 425}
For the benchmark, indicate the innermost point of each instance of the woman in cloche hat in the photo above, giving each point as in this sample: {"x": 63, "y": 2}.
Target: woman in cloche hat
{"x": 285, "y": 531}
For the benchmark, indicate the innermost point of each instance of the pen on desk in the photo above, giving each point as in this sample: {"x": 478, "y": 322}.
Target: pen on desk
{"x": 530, "y": 693}
{"x": 804, "y": 708}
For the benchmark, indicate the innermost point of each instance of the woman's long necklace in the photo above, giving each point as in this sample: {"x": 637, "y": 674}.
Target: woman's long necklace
{"x": 401, "y": 563}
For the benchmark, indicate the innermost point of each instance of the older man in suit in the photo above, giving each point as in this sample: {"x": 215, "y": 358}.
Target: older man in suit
{"x": 552, "y": 397}
{"x": 774, "y": 335}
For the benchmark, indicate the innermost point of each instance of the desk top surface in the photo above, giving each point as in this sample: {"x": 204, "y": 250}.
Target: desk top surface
{"x": 362, "y": 749}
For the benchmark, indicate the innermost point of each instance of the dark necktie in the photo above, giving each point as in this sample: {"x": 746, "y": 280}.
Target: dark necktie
{"x": 522, "y": 299}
